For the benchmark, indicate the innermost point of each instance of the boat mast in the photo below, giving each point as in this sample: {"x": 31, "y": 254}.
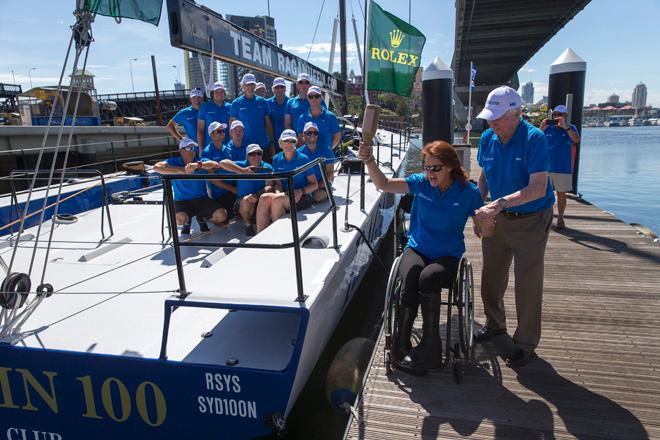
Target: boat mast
{"x": 342, "y": 45}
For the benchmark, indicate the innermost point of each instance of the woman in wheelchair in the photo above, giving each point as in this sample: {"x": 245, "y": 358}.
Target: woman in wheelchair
{"x": 443, "y": 200}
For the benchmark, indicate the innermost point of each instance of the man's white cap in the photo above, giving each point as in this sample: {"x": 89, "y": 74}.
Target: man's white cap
{"x": 315, "y": 90}
{"x": 215, "y": 125}
{"x": 279, "y": 81}
{"x": 252, "y": 148}
{"x": 309, "y": 125}
{"x": 260, "y": 85}
{"x": 185, "y": 142}
{"x": 560, "y": 109}
{"x": 248, "y": 78}
{"x": 303, "y": 77}
{"x": 499, "y": 101}
{"x": 218, "y": 86}
{"x": 196, "y": 93}
{"x": 288, "y": 134}
{"x": 235, "y": 124}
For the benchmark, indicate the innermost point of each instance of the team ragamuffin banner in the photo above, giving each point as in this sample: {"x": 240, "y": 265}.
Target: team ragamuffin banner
{"x": 393, "y": 54}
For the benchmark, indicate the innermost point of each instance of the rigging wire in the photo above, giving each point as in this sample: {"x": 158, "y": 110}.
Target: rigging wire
{"x": 315, "y": 30}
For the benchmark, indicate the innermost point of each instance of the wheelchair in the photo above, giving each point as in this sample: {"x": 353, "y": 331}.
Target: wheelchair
{"x": 460, "y": 297}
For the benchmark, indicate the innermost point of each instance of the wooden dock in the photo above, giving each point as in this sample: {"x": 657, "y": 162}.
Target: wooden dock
{"x": 597, "y": 375}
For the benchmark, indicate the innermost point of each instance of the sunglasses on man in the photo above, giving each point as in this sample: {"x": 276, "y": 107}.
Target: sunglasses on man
{"x": 303, "y": 82}
{"x": 289, "y": 141}
{"x": 255, "y": 153}
{"x": 311, "y": 133}
{"x": 188, "y": 148}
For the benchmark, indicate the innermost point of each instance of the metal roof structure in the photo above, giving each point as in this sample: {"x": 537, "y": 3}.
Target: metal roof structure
{"x": 500, "y": 36}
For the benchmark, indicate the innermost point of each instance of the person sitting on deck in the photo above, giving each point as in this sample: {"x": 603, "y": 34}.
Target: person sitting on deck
{"x": 248, "y": 192}
{"x": 187, "y": 117}
{"x": 444, "y": 199}
{"x": 273, "y": 205}
{"x": 221, "y": 190}
{"x": 190, "y": 196}
{"x": 313, "y": 151}
{"x": 237, "y": 146}
{"x": 325, "y": 120}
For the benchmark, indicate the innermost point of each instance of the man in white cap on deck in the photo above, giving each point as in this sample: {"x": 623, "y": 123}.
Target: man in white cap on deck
{"x": 513, "y": 156}
{"x": 187, "y": 117}
{"x": 237, "y": 145}
{"x": 298, "y": 105}
{"x": 260, "y": 90}
{"x": 252, "y": 111}
{"x": 277, "y": 106}
{"x": 561, "y": 137}
{"x": 216, "y": 110}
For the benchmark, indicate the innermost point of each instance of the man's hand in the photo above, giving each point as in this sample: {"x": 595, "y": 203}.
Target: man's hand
{"x": 487, "y": 213}
{"x": 248, "y": 170}
{"x": 561, "y": 122}
{"x": 297, "y": 194}
{"x": 190, "y": 167}
{"x": 366, "y": 151}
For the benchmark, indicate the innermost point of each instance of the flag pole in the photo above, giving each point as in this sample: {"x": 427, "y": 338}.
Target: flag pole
{"x": 468, "y": 125}
{"x": 366, "y": 51}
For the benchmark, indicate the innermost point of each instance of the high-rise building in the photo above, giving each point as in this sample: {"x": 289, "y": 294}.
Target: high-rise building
{"x": 194, "y": 76}
{"x": 613, "y": 98}
{"x": 639, "y": 96}
{"x": 527, "y": 92}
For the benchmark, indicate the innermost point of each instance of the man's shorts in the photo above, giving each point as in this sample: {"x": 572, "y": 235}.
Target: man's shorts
{"x": 305, "y": 202}
{"x": 237, "y": 204}
{"x": 227, "y": 200}
{"x": 204, "y": 207}
{"x": 562, "y": 182}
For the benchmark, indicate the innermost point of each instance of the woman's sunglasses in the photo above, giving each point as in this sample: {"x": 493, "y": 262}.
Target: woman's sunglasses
{"x": 255, "y": 153}
{"x": 314, "y": 96}
{"x": 289, "y": 141}
{"x": 433, "y": 168}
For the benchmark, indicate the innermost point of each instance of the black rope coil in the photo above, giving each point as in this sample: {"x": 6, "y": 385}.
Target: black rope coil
{"x": 14, "y": 290}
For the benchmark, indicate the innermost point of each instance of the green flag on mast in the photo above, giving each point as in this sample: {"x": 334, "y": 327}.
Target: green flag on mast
{"x": 394, "y": 52}
{"x": 144, "y": 10}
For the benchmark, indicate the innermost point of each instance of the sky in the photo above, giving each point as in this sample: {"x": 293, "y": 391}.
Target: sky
{"x": 617, "y": 39}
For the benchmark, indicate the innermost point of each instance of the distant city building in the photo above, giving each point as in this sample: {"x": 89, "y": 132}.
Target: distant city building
{"x": 639, "y": 96}
{"x": 613, "y": 98}
{"x": 85, "y": 80}
{"x": 179, "y": 88}
{"x": 528, "y": 92}
{"x": 194, "y": 76}
{"x": 227, "y": 80}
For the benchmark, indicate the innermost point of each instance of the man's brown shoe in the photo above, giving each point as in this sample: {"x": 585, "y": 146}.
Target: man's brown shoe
{"x": 485, "y": 333}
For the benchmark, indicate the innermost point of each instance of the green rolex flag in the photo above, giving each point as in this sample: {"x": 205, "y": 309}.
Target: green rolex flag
{"x": 144, "y": 10}
{"x": 393, "y": 54}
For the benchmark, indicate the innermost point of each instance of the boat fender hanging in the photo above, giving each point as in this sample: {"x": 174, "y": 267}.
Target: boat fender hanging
{"x": 65, "y": 219}
{"x": 344, "y": 380}
{"x": 316, "y": 242}
{"x": 14, "y": 290}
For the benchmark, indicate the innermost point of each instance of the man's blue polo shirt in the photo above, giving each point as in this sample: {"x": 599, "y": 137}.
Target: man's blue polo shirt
{"x": 251, "y": 112}
{"x": 276, "y": 113}
{"x": 238, "y": 153}
{"x": 217, "y": 155}
{"x": 280, "y": 164}
{"x": 321, "y": 152}
{"x": 326, "y": 122}
{"x": 187, "y": 189}
{"x": 438, "y": 218}
{"x": 559, "y": 149}
{"x": 245, "y": 187}
{"x": 212, "y": 112}
{"x": 298, "y": 106}
{"x": 188, "y": 118}
{"x": 507, "y": 167}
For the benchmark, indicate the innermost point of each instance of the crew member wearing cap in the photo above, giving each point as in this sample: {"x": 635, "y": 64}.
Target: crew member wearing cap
{"x": 187, "y": 117}
{"x": 216, "y": 110}
{"x": 313, "y": 151}
{"x": 237, "y": 144}
{"x": 221, "y": 190}
{"x": 325, "y": 120}
{"x": 513, "y": 156}
{"x": 298, "y": 105}
{"x": 561, "y": 137}
{"x": 190, "y": 196}
{"x": 277, "y": 106}
{"x": 273, "y": 205}
{"x": 260, "y": 90}
{"x": 249, "y": 191}
{"x": 252, "y": 110}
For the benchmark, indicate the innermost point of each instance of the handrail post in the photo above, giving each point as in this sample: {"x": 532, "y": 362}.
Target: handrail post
{"x": 114, "y": 155}
{"x": 296, "y": 240}
{"x": 333, "y": 205}
{"x": 171, "y": 217}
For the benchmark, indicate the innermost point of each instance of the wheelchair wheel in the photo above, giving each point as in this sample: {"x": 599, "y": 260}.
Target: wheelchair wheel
{"x": 391, "y": 312}
{"x": 465, "y": 305}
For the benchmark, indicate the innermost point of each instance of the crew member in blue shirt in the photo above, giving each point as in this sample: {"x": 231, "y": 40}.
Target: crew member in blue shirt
{"x": 248, "y": 192}
{"x": 561, "y": 137}
{"x": 274, "y": 205}
{"x": 187, "y": 117}
{"x": 216, "y": 110}
{"x": 221, "y": 190}
{"x": 237, "y": 145}
{"x": 252, "y": 110}
{"x": 313, "y": 151}
{"x": 443, "y": 200}
{"x": 276, "y": 108}
{"x": 325, "y": 120}
{"x": 190, "y": 196}
{"x": 513, "y": 156}
{"x": 299, "y": 104}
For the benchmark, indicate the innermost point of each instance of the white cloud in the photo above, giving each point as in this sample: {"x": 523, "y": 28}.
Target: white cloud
{"x": 319, "y": 48}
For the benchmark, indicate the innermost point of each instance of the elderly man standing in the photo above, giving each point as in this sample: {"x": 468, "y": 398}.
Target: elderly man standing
{"x": 252, "y": 110}
{"x": 513, "y": 156}
{"x": 216, "y": 110}
{"x": 561, "y": 137}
